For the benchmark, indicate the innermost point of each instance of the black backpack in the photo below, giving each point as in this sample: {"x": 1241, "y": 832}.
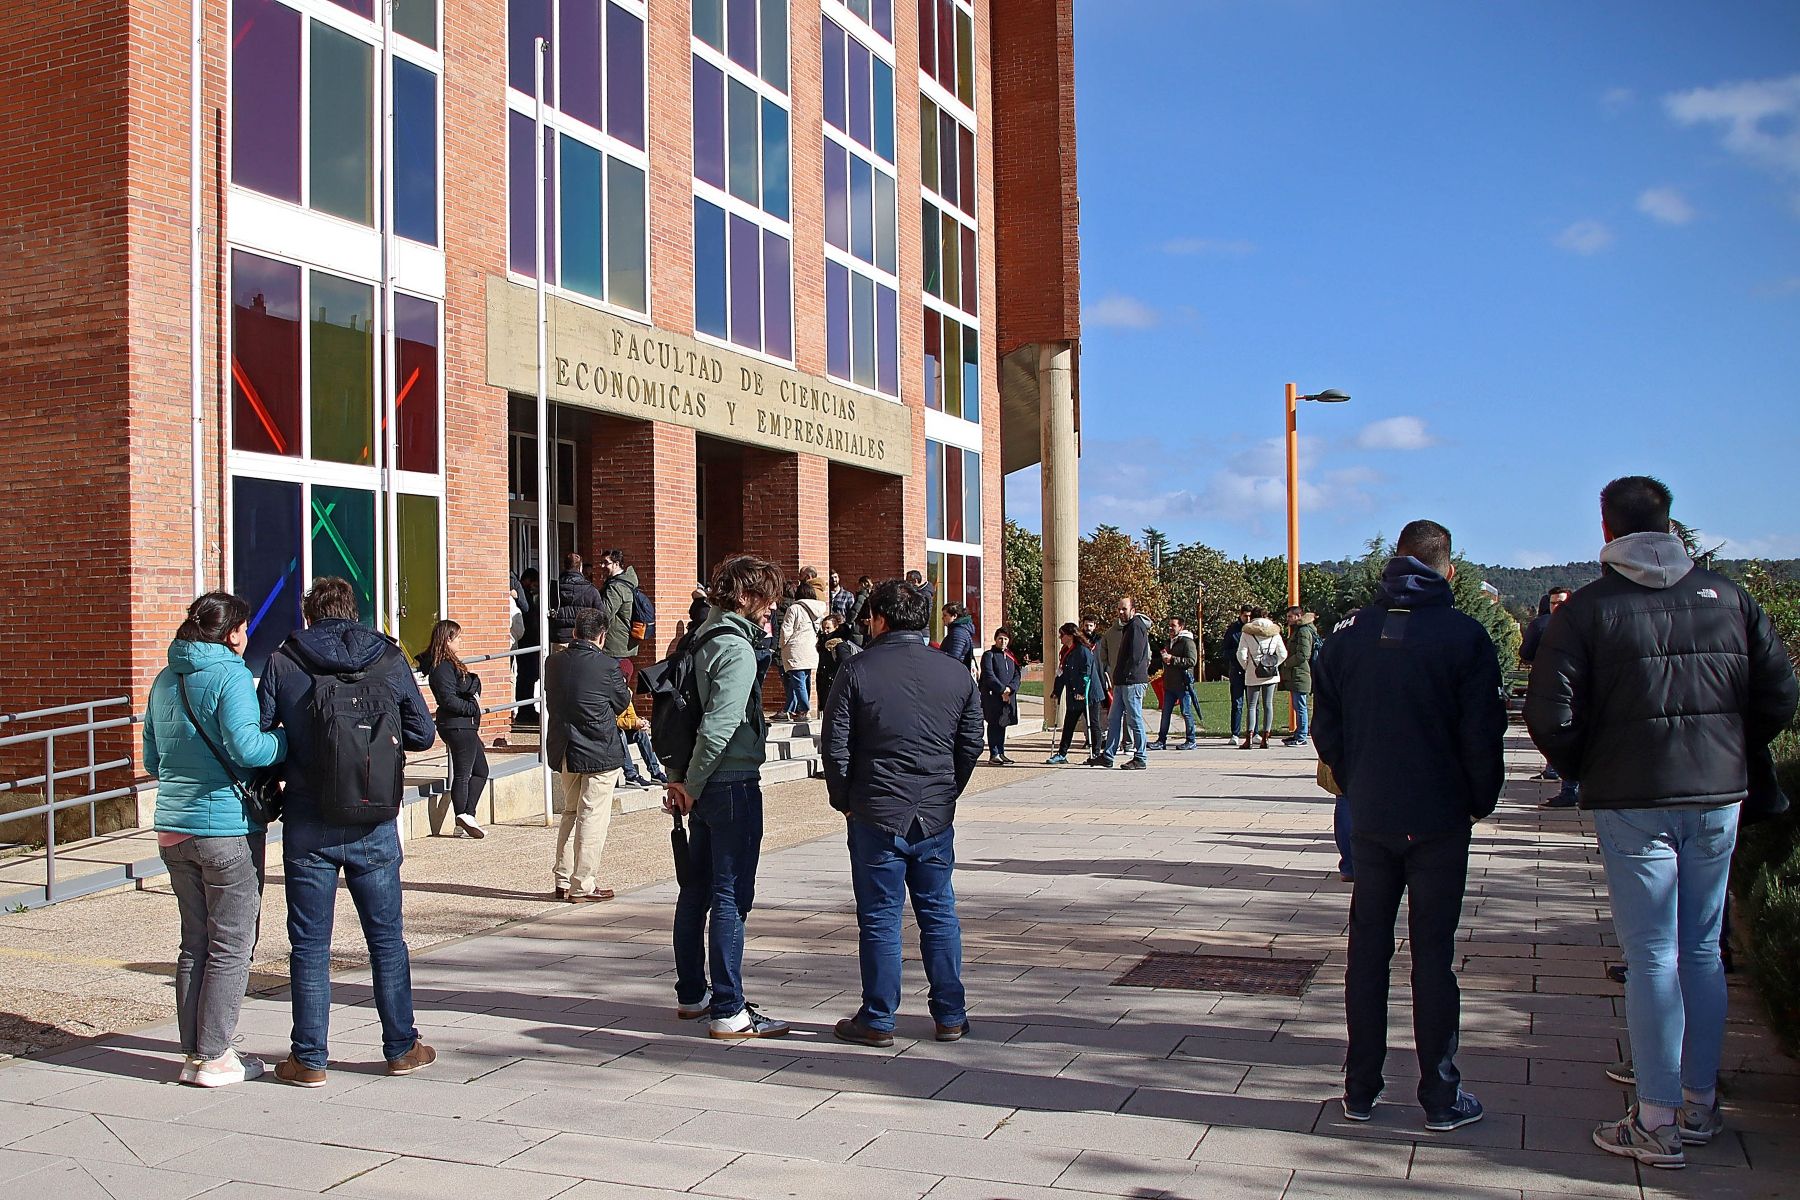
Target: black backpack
{"x": 643, "y": 618}
{"x": 673, "y": 686}
{"x": 359, "y": 770}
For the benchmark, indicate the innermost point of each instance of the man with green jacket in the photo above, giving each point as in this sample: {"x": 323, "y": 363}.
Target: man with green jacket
{"x": 616, "y": 594}
{"x": 720, "y": 789}
{"x": 1297, "y": 671}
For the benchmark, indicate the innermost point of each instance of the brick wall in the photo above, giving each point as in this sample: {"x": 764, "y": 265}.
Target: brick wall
{"x": 868, "y": 524}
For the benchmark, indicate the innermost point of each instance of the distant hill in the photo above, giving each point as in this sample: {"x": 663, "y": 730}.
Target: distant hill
{"x": 1521, "y": 587}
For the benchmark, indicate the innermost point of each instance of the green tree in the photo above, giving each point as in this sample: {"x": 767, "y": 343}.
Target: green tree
{"x": 1112, "y": 565}
{"x": 1268, "y": 582}
{"x": 1023, "y": 568}
{"x": 1191, "y": 568}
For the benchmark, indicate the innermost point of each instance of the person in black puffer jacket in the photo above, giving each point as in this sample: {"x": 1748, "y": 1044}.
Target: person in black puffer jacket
{"x": 574, "y": 592}
{"x": 1657, "y": 686}
{"x": 585, "y": 692}
{"x": 457, "y": 691}
{"x": 1411, "y": 723}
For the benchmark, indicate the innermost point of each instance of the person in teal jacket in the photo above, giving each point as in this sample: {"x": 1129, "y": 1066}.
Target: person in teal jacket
{"x": 213, "y": 850}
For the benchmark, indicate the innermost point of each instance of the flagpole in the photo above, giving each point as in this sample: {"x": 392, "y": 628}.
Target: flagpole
{"x": 543, "y": 438}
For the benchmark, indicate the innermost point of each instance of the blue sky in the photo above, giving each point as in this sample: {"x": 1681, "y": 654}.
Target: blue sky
{"x": 1540, "y": 244}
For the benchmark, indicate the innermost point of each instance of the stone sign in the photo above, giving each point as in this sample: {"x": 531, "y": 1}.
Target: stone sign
{"x": 602, "y": 362}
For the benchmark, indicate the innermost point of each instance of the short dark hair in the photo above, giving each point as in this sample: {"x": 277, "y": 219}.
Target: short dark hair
{"x": 742, "y": 581}
{"x": 1178, "y": 619}
{"x": 954, "y": 609}
{"x": 865, "y": 579}
{"x": 1636, "y": 504}
{"x": 1294, "y": 610}
{"x": 806, "y": 590}
{"x": 590, "y": 624}
{"x": 902, "y": 605}
{"x": 914, "y": 578}
{"x": 1559, "y": 588}
{"x": 1428, "y": 542}
{"x": 1244, "y": 608}
{"x": 1070, "y": 629}
{"x": 330, "y": 598}
{"x": 615, "y": 557}
{"x": 1005, "y": 631}
{"x": 571, "y": 561}
{"x": 1258, "y": 613}
{"x": 528, "y": 575}
{"x": 212, "y": 617}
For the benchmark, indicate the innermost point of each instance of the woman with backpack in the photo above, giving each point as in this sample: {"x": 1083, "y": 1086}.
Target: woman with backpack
{"x": 1260, "y": 652}
{"x": 800, "y": 649}
{"x": 457, "y": 691}
{"x": 202, "y": 736}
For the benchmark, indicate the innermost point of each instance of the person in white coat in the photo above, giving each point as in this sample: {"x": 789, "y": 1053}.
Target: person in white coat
{"x": 1260, "y": 652}
{"x": 799, "y": 641}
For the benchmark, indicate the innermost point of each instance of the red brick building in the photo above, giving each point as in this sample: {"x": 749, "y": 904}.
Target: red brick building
{"x": 804, "y": 259}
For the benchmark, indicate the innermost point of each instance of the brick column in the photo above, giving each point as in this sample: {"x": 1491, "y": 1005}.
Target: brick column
{"x": 787, "y": 509}
{"x": 643, "y": 502}
{"x": 868, "y": 524}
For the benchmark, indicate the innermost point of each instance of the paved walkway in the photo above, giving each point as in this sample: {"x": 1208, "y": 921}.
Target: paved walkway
{"x": 564, "y": 1073}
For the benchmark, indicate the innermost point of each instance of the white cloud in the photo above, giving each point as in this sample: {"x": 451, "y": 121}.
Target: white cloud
{"x": 1121, "y": 312}
{"x": 1615, "y": 100}
{"x": 1774, "y": 289}
{"x": 1217, "y": 247}
{"x": 1584, "y": 237}
{"x": 1760, "y": 118}
{"x": 1396, "y": 433}
{"x": 1665, "y": 204}
{"x": 1775, "y": 545}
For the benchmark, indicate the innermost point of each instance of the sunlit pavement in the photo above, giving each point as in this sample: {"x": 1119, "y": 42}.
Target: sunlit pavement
{"x": 563, "y": 1070}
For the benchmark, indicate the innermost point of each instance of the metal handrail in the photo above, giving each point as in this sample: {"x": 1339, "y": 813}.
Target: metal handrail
{"x": 51, "y": 774}
{"x": 84, "y": 706}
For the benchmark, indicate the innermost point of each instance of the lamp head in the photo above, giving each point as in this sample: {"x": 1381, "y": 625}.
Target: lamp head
{"x": 1328, "y": 396}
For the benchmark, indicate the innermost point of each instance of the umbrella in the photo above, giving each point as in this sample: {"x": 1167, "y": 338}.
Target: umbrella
{"x": 678, "y": 844}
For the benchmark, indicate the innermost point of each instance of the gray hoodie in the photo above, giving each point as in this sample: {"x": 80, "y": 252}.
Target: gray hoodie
{"x": 1652, "y": 560}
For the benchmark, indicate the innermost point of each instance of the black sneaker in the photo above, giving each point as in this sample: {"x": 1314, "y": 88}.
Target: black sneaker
{"x": 1466, "y": 1111}
{"x": 1157, "y": 746}
{"x": 1136, "y": 764}
{"x": 1623, "y": 1072}
{"x": 1360, "y": 1110}
{"x": 851, "y": 1030}
{"x": 1099, "y": 760}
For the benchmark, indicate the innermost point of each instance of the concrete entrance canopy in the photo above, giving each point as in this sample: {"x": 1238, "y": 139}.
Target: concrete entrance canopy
{"x": 601, "y": 362}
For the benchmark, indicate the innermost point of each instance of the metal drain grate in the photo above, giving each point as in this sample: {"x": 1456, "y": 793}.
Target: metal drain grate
{"x": 1221, "y": 973}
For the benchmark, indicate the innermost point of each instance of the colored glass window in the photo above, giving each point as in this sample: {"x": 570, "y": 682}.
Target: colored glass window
{"x": 965, "y": 58}
{"x": 884, "y": 110}
{"x": 265, "y": 98}
{"x": 421, "y": 596}
{"x": 709, "y": 22}
{"x": 948, "y": 177}
{"x": 934, "y": 491}
{"x": 774, "y": 44}
{"x": 965, "y": 164}
{"x": 265, "y": 561}
{"x": 746, "y": 284}
{"x": 577, "y": 47}
{"x": 709, "y": 269}
{"x": 837, "y": 320}
{"x": 928, "y": 36}
{"x": 342, "y": 149}
{"x": 887, "y": 249}
{"x": 343, "y": 369}
{"x": 953, "y": 397}
{"x": 416, "y": 401}
{"x": 741, "y": 136}
{"x": 952, "y": 247}
{"x": 928, "y": 143}
{"x": 417, "y": 19}
{"x": 862, "y": 329}
{"x": 887, "y": 340}
{"x": 946, "y": 45}
{"x": 837, "y": 195}
{"x": 934, "y": 261}
{"x": 526, "y": 21}
{"x": 934, "y": 333}
{"x": 971, "y": 496}
{"x": 832, "y": 42}
{"x": 624, "y": 76}
{"x": 265, "y": 355}
{"x": 970, "y": 303}
{"x": 778, "y": 300}
{"x": 362, "y": 8}
{"x": 582, "y": 253}
{"x": 971, "y": 387}
{"x": 343, "y": 541}
{"x": 954, "y": 509}
{"x": 775, "y": 188}
{"x": 415, "y": 153}
{"x": 709, "y": 123}
{"x": 861, "y": 114}
{"x": 740, "y": 33}
{"x": 627, "y": 248}
{"x": 522, "y": 213}
{"x": 862, "y": 209}
{"x": 882, "y": 18}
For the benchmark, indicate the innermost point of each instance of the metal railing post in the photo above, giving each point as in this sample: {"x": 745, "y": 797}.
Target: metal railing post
{"x": 50, "y": 820}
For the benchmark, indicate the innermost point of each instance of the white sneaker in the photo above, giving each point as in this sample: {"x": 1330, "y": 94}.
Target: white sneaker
{"x": 747, "y": 1023}
{"x": 470, "y": 826}
{"x": 189, "y": 1064}
{"x": 696, "y": 1010}
{"x": 230, "y": 1068}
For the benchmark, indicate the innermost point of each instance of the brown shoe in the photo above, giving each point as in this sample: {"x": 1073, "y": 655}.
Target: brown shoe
{"x": 952, "y": 1033}
{"x": 561, "y": 893}
{"x": 851, "y": 1030}
{"x": 292, "y": 1070}
{"x": 597, "y": 896}
{"x": 418, "y": 1057}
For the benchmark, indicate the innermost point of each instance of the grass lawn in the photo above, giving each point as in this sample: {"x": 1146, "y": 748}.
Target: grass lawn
{"x": 1215, "y": 705}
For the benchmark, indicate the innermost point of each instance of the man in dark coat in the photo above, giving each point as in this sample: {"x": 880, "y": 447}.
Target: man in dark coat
{"x": 525, "y": 666}
{"x": 1569, "y": 795}
{"x": 1126, "y": 650}
{"x": 573, "y": 593}
{"x": 901, "y": 739}
{"x": 585, "y": 692}
{"x": 1297, "y": 670}
{"x": 1180, "y": 675}
{"x": 1411, "y": 724}
{"x": 316, "y": 851}
{"x": 1234, "y": 670}
{"x": 1657, "y": 686}
{"x": 1000, "y": 675}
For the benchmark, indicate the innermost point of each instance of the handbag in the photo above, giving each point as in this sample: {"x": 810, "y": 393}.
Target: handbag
{"x": 261, "y": 794}
{"x": 1326, "y": 780}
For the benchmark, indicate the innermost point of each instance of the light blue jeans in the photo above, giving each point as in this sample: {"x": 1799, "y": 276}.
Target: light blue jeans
{"x": 1127, "y": 713}
{"x": 1667, "y": 870}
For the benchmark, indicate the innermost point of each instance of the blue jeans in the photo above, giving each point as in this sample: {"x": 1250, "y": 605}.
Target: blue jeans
{"x": 1127, "y": 713}
{"x": 369, "y": 857}
{"x": 799, "y": 691}
{"x": 1237, "y": 706}
{"x": 1302, "y": 713}
{"x": 724, "y": 842}
{"x": 1190, "y": 711}
{"x": 640, "y": 737}
{"x": 1667, "y": 870}
{"x": 883, "y": 869}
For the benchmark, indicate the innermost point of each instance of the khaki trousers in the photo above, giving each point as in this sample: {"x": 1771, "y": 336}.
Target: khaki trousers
{"x": 587, "y": 804}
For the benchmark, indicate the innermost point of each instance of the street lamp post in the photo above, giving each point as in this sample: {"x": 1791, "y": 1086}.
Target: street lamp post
{"x": 1328, "y": 396}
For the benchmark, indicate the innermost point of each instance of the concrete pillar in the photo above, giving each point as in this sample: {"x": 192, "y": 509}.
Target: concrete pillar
{"x": 1061, "y": 473}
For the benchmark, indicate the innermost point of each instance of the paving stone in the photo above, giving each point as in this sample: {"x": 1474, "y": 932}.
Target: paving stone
{"x": 572, "y": 1110}
{"x": 282, "y": 1162}
{"x": 1026, "y": 1091}
{"x": 1224, "y": 1109}
{"x": 765, "y": 1177}
{"x": 1100, "y": 1131}
{"x": 66, "y": 1179}
{"x": 1004, "y": 1161}
{"x": 1122, "y": 1173}
{"x": 25, "y": 1082}
{"x": 730, "y": 1095}
{"x": 430, "y": 1179}
{"x": 1303, "y": 1152}
{"x": 919, "y": 1116}
{"x": 117, "y": 1139}
{"x": 1596, "y": 1174}
{"x": 1310, "y": 1186}
{"x": 619, "y": 1160}
{"x": 819, "y": 1136}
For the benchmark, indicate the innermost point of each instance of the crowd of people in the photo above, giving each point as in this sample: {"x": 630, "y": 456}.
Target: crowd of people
{"x": 1653, "y": 695}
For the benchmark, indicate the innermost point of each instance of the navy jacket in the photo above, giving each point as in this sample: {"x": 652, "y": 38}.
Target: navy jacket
{"x": 285, "y": 694}
{"x": 585, "y": 692}
{"x": 902, "y": 735}
{"x": 1000, "y": 674}
{"x": 959, "y": 641}
{"x": 1410, "y": 718}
